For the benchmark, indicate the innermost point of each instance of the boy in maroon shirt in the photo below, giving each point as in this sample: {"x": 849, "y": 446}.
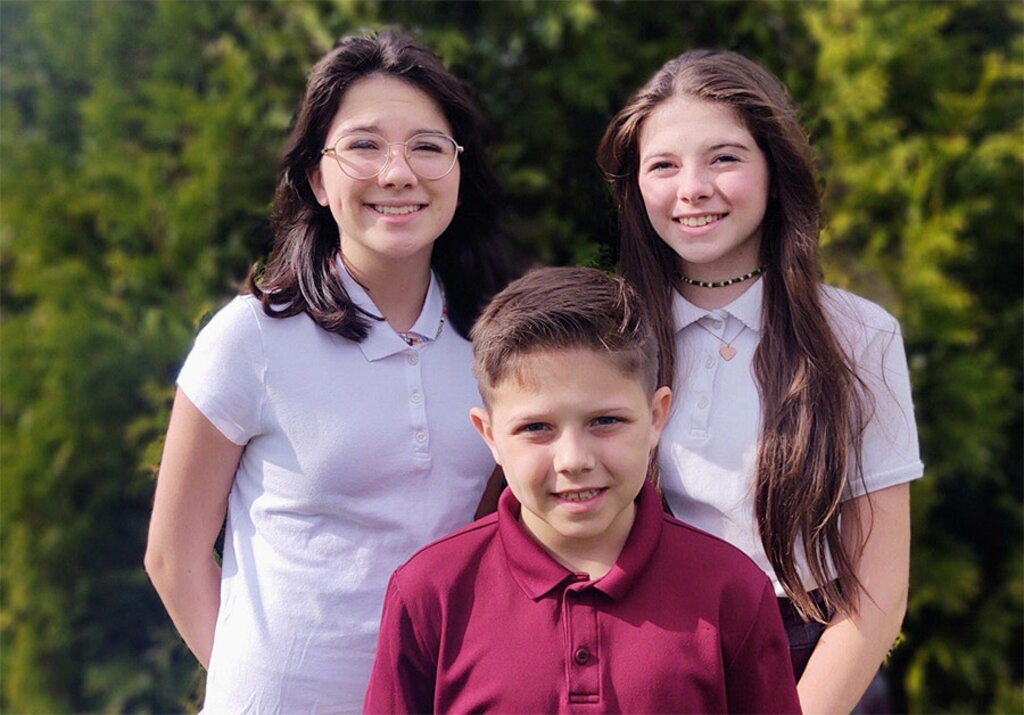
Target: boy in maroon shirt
{"x": 579, "y": 594}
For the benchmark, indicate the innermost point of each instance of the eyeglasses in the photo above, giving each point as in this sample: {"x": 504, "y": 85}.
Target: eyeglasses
{"x": 362, "y": 155}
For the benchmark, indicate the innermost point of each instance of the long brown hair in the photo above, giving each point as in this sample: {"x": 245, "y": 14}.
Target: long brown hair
{"x": 301, "y": 275}
{"x": 812, "y": 405}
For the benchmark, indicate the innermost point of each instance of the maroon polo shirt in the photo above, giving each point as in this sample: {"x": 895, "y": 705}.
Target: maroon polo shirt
{"x": 485, "y": 619}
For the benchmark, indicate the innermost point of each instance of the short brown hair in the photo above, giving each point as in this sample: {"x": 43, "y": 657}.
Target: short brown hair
{"x": 562, "y": 309}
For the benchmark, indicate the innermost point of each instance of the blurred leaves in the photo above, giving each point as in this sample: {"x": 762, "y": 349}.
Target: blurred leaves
{"x": 139, "y": 144}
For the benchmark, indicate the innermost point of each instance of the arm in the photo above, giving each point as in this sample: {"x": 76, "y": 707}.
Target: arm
{"x": 404, "y": 667}
{"x": 196, "y": 474}
{"x": 852, "y": 647}
{"x": 759, "y": 675}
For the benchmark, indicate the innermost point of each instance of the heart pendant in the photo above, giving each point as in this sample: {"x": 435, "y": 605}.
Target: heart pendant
{"x": 728, "y": 352}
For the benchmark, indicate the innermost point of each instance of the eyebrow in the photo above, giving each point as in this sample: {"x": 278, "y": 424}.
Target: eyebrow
{"x": 375, "y": 129}
{"x": 728, "y": 145}
{"x": 713, "y": 147}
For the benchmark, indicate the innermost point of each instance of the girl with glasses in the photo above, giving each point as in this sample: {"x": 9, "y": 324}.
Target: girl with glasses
{"x": 323, "y": 413}
{"x": 794, "y": 436}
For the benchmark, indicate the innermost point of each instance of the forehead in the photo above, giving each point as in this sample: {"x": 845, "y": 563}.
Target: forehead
{"x": 387, "y": 104}
{"x": 585, "y": 371}
{"x": 683, "y": 118}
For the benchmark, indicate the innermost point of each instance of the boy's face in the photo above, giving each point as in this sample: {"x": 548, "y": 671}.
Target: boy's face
{"x": 573, "y": 433}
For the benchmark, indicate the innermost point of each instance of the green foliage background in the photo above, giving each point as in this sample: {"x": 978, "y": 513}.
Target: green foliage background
{"x": 139, "y": 146}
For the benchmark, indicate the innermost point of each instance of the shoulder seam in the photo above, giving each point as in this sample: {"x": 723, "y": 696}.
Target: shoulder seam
{"x": 700, "y": 533}
{"x": 263, "y": 354}
{"x": 489, "y": 521}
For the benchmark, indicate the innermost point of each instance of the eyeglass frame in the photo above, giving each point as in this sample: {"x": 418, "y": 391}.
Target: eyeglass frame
{"x": 459, "y": 149}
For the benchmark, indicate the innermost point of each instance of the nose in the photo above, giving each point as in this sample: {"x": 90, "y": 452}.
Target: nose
{"x": 397, "y": 171}
{"x": 573, "y": 454}
{"x": 695, "y": 184}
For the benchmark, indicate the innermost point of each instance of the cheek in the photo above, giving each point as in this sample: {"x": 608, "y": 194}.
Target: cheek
{"x": 341, "y": 198}
{"x": 657, "y": 197}
{"x": 528, "y": 464}
{"x": 450, "y": 193}
{"x": 752, "y": 190}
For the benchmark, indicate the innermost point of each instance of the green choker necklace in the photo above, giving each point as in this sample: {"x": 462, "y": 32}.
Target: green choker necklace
{"x": 721, "y": 284}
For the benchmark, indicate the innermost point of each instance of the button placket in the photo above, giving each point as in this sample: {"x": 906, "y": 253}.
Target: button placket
{"x": 704, "y": 362}
{"x": 582, "y": 652}
{"x": 417, "y": 408}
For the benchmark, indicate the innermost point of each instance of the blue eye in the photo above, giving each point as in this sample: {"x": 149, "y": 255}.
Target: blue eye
{"x": 532, "y": 427}
{"x": 606, "y": 420}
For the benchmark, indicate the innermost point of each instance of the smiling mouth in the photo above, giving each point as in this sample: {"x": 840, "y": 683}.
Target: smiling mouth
{"x": 580, "y": 495}
{"x": 397, "y": 210}
{"x": 698, "y": 221}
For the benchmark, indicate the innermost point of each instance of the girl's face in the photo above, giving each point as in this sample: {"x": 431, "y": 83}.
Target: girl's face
{"x": 396, "y": 216}
{"x": 705, "y": 184}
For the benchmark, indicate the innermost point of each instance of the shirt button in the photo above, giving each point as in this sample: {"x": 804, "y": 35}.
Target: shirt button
{"x": 412, "y": 358}
{"x": 416, "y": 398}
{"x": 421, "y": 437}
{"x": 709, "y": 363}
{"x": 581, "y": 656}
{"x": 702, "y": 403}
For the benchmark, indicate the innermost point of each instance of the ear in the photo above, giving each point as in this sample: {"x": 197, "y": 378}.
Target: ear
{"x": 316, "y": 183}
{"x": 661, "y": 405}
{"x": 481, "y": 420}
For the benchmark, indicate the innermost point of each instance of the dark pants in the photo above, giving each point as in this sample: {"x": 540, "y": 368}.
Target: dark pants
{"x": 803, "y": 637}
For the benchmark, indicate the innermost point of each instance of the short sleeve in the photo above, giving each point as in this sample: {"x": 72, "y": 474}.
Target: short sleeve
{"x": 405, "y": 667}
{"x": 889, "y": 451}
{"x": 223, "y": 375}
{"x": 759, "y": 671}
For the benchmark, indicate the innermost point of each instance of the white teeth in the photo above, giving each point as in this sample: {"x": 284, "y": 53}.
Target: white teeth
{"x": 698, "y": 221}
{"x": 396, "y": 210}
{"x": 581, "y": 496}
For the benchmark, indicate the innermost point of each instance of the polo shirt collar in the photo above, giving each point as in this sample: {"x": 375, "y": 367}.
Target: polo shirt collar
{"x": 746, "y": 308}
{"x": 382, "y": 340}
{"x": 537, "y": 573}
{"x": 640, "y": 546}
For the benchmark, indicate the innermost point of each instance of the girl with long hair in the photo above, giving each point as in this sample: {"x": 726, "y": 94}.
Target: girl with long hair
{"x": 324, "y": 411}
{"x": 793, "y": 436}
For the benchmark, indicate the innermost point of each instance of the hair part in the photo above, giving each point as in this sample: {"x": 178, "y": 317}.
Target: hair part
{"x": 301, "y": 275}
{"x": 812, "y": 405}
{"x": 553, "y": 309}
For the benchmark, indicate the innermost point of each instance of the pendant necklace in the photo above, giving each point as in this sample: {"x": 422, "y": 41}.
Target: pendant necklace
{"x": 727, "y": 351}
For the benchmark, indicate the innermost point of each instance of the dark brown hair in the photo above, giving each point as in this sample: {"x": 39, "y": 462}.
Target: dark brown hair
{"x": 811, "y": 400}
{"x": 563, "y": 309}
{"x": 302, "y": 273}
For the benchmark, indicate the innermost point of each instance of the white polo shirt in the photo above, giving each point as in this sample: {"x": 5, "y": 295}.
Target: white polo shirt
{"x": 708, "y": 450}
{"x": 356, "y": 455}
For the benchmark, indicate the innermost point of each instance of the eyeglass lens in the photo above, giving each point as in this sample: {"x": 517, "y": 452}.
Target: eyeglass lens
{"x": 364, "y": 156}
